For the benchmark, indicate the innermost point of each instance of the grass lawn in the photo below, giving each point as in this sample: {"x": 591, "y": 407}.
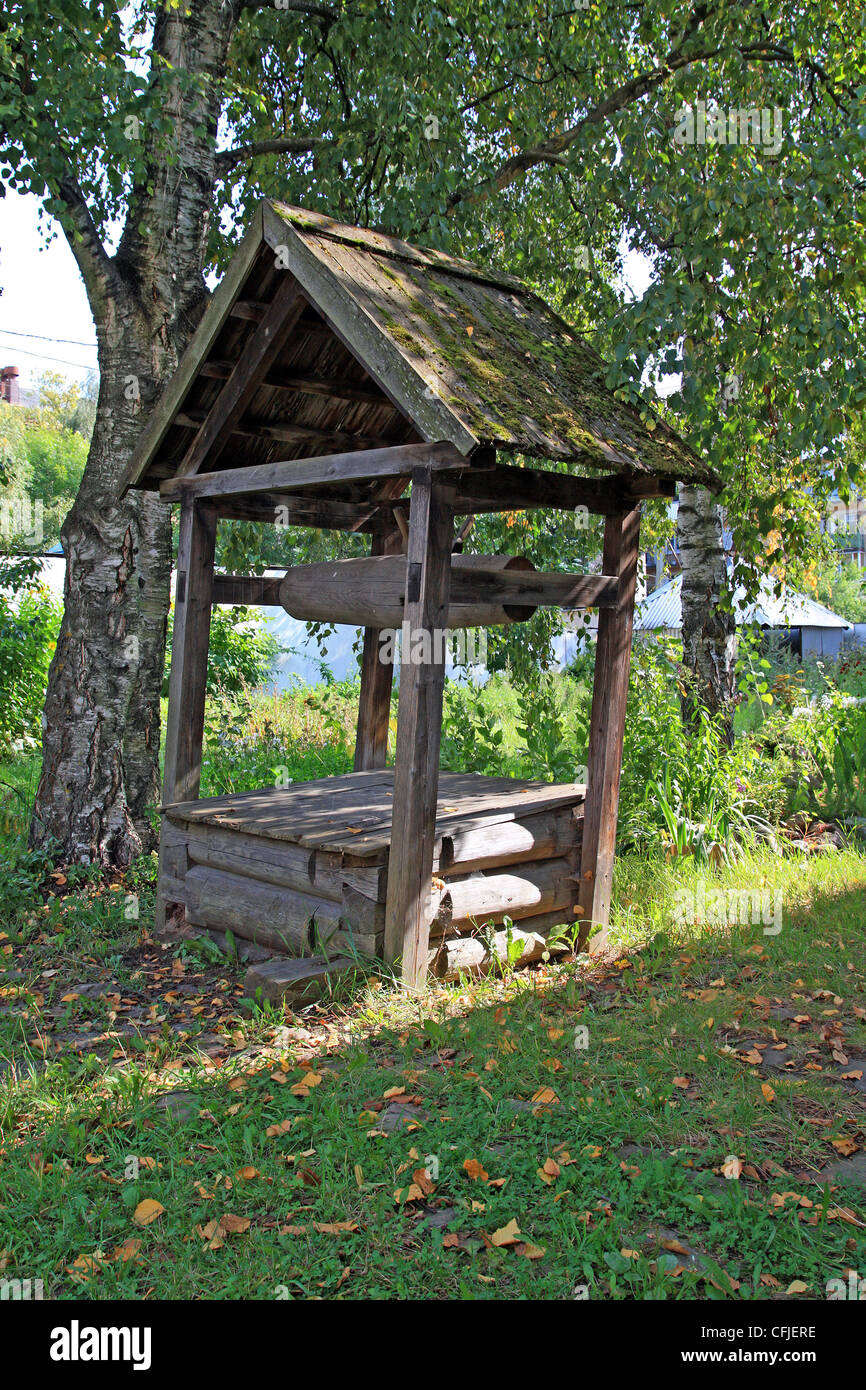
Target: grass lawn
{"x": 682, "y": 1120}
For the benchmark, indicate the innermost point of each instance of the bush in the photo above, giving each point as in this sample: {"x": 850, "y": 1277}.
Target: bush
{"x": 29, "y": 624}
{"x": 682, "y": 788}
{"x": 241, "y": 655}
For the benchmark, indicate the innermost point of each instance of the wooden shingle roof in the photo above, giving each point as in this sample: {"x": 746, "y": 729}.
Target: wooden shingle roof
{"x": 397, "y": 345}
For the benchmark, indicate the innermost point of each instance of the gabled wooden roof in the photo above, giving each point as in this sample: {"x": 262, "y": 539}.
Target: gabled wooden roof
{"x": 392, "y": 344}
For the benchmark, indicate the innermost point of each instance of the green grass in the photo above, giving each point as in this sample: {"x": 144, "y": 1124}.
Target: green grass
{"x": 642, "y": 1121}
{"x": 125, "y": 1054}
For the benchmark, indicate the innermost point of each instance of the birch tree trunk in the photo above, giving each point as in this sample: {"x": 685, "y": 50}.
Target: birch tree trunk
{"x": 101, "y": 719}
{"x": 100, "y": 769}
{"x": 709, "y": 632}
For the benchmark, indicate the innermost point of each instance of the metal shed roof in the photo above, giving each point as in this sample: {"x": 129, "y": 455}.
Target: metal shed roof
{"x": 662, "y": 610}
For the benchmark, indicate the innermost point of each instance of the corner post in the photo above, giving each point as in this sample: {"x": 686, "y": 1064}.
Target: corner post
{"x": 184, "y": 727}
{"x": 419, "y": 727}
{"x": 607, "y": 724}
{"x": 374, "y": 706}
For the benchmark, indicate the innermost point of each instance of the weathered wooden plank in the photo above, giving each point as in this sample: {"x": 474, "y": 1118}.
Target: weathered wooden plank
{"x": 291, "y": 509}
{"x": 297, "y": 982}
{"x": 419, "y": 722}
{"x": 278, "y": 862}
{"x": 251, "y": 309}
{"x": 261, "y": 804}
{"x": 374, "y": 705}
{"x": 527, "y": 891}
{"x": 219, "y": 308}
{"x": 286, "y": 431}
{"x": 173, "y": 856}
{"x": 192, "y": 611}
{"x": 247, "y": 589}
{"x": 258, "y": 356}
{"x": 351, "y": 814}
{"x": 362, "y": 913}
{"x": 359, "y": 464}
{"x": 607, "y": 723}
{"x": 484, "y": 844}
{"x": 306, "y": 382}
{"x": 169, "y": 889}
{"x": 278, "y": 917}
{"x": 504, "y": 488}
{"x": 453, "y": 808}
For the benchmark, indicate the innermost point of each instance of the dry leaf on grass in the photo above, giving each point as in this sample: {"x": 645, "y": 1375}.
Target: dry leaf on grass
{"x": 215, "y": 1232}
{"x": 506, "y": 1235}
{"x": 475, "y": 1170}
{"x": 147, "y": 1211}
{"x": 846, "y": 1147}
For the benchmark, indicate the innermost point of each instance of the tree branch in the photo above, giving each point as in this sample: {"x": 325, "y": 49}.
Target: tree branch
{"x": 98, "y": 270}
{"x": 291, "y": 6}
{"x": 227, "y": 160}
{"x": 550, "y": 151}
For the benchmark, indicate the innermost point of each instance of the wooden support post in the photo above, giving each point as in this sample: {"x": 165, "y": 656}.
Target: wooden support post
{"x": 419, "y": 727}
{"x": 193, "y": 596}
{"x": 374, "y": 706}
{"x": 607, "y": 724}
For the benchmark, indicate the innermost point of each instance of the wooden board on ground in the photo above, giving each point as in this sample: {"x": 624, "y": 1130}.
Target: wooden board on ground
{"x": 300, "y": 981}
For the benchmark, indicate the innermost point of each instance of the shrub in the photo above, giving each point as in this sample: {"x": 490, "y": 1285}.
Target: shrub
{"x": 241, "y": 655}
{"x": 29, "y": 624}
{"x": 681, "y": 788}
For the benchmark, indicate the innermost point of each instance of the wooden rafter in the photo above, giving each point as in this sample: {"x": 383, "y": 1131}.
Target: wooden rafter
{"x": 289, "y": 509}
{"x": 258, "y": 356}
{"x": 284, "y": 432}
{"x": 306, "y": 382}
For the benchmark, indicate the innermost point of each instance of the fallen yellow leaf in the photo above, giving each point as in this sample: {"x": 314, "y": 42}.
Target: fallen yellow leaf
{"x": 147, "y": 1211}
{"x": 506, "y": 1235}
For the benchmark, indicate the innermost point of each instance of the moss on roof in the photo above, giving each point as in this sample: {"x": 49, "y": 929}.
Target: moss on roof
{"x": 514, "y": 373}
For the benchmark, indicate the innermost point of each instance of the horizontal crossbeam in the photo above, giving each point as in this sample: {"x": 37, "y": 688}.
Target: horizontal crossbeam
{"x": 252, "y": 589}
{"x": 503, "y": 488}
{"x": 290, "y": 474}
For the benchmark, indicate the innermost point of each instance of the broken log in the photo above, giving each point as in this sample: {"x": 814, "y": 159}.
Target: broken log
{"x": 475, "y": 955}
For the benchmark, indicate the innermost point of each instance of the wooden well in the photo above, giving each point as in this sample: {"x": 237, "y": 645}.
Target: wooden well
{"x": 345, "y": 380}
{"x": 304, "y": 869}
